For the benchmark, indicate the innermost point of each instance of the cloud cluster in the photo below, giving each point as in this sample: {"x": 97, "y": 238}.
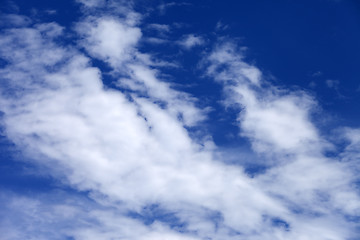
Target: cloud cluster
{"x": 278, "y": 124}
{"x": 131, "y": 150}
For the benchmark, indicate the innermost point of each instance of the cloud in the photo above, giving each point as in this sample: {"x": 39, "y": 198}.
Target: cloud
{"x": 317, "y": 74}
{"x": 14, "y": 20}
{"x": 278, "y": 123}
{"x": 165, "y": 6}
{"x": 334, "y": 84}
{"x": 159, "y": 33}
{"x": 312, "y": 84}
{"x": 59, "y": 215}
{"x": 10, "y": 6}
{"x": 220, "y": 26}
{"x": 114, "y": 42}
{"x": 51, "y": 11}
{"x": 155, "y": 40}
{"x": 109, "y": 39}
{"x": 92, "y": 3}
{"x": 131, "y": 151}
{"x": 130, "y": 154}
{"x": 159, "y": 27}
{"x": 190, "y": 41}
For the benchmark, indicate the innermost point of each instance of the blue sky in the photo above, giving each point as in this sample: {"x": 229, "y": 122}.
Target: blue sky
{"x": 179, "y": 120}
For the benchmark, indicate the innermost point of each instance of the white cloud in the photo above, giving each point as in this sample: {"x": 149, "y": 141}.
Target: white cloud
{"x": 278, "y": 124}
{"x": 109, "y": 39}
{"x": 190, "y": 41}
{"x": 58, "y": 215}
{"x": 114, "y": 41}
{"x": 135, "y": 151}
{"x": 131, "y": 149}
{"x": 240, "y": 71}
{"x": 274, "y": 119}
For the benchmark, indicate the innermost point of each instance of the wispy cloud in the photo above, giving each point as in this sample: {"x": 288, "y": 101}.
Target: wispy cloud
{"x": 220, "y": 26}
{"x": 334, "y": 84}
{"x": 159, "y": 27}
{"x": 14, "y": 20}
{"x": 165, "y": 6}
{"x": 156, "y": 40}
{"x": 317, "y": 74}
{"x": 190, "y": 41}
{"x": 92, "y": 3}
{"x": 52, "y": 216}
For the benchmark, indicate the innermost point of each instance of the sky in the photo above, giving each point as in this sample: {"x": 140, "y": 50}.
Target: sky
{"x": 179, "y": 120}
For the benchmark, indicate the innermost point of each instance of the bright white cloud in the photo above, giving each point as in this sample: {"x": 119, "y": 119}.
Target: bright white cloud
{"x": 114, "y": 41}
{"x": 109, "y": 39}
{"x": 131, "y": 149}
